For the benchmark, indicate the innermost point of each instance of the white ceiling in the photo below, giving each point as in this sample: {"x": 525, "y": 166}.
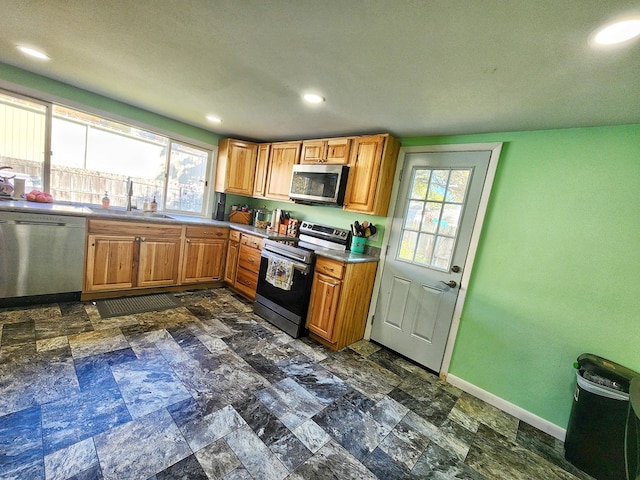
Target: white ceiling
{"x": 409, "y": 67}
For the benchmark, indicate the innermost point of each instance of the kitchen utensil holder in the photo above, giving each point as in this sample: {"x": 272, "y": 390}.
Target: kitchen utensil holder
{"x": 357, "y": 244}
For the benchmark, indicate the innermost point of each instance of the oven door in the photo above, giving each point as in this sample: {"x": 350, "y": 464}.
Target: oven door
{"x": 286, "y": 309}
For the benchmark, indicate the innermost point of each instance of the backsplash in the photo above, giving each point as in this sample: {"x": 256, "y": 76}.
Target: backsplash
{"x": 333, "y": 216}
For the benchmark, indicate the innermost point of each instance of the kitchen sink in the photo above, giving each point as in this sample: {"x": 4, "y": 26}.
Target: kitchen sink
{"x": 133, "y": 213}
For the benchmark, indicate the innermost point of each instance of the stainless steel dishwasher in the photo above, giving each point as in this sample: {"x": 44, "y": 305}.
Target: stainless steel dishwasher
{"x": 40, "y": 254}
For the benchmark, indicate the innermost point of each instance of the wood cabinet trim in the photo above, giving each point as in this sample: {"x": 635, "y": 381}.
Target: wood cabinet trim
{"x": 206, "y": 232}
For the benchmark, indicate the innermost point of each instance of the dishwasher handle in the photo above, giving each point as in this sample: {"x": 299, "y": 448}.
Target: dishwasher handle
{"x": 45, "y": 224}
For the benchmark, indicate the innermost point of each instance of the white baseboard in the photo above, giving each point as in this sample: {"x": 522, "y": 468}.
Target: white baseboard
{"x": 508, "y": 407}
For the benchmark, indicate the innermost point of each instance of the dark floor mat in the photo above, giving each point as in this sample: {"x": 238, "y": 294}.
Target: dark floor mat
{"x": 116, "y": 307}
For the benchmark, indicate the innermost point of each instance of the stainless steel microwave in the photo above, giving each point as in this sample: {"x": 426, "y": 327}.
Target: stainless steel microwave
{"x": 319, "y": 184}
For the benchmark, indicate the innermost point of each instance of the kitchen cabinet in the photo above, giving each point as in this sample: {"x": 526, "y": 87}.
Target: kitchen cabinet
{"x": 371, "y": 170}
{"x": 236, "y": 166}
{"x": 339, "y": 303}
{"x": 283, "y": 157}
{"x": 248, "y": 265}
{"x": 262, "y": 164}
{"x": 331, "y": 151}
{"x": 231, "y": 263}
{"x": 126, "y": 255}
{"x": 203, "y": 256}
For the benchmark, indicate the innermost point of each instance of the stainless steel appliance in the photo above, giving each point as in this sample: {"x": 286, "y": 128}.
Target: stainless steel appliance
{"x": 40, "y": 254}
{"x": 319, "y": 184}
{"x": 284, "y": 302}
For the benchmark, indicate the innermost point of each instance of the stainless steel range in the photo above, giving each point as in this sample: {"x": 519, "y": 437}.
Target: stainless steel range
{"x": 286, "y": 274}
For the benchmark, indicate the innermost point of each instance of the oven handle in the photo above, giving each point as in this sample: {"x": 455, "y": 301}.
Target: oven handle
{"x": 302, "y": 267}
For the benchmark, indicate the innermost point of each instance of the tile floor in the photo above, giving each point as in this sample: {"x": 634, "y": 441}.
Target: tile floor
{"x": 208, "y": 390}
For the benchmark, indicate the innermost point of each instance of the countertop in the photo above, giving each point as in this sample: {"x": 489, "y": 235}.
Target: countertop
{"x": 137, "y": 216}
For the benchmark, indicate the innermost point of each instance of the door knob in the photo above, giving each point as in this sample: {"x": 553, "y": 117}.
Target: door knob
{"x": 450, "y": 283}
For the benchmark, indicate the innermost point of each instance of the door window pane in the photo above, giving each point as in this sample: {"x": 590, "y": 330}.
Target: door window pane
{"x": 414, "y": 213}
{"x": 408, "y": 245}
{"x": 450, "y": 219}
{"x": 425, "y": 249}
{"x": 457, "y": 188}
{"x": 431, "y": 217}
{"x": 434, "y": 211}
{"x": 442, "y": 253}
{"x": 438, "y": 185}
{"x": 22, "y": 136}
{"x": 420, "y": 184}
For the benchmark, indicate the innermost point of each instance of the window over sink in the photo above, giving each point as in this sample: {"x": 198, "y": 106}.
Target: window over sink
{"x": 91, "y": 155}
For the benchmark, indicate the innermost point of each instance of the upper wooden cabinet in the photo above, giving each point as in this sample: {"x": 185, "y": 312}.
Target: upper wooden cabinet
{"x": 236, "y": 166}
{"x": 283, "y": 157}
{"x": 262, "y": 165}
{"x": 265, "y": 170}
{"x": 330, "y": 150}
{"x": 371, "y": 169}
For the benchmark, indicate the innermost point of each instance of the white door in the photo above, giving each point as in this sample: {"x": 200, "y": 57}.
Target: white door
{"x": 430, "y": 235}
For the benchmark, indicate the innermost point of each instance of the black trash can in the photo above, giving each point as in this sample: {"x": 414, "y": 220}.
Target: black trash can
{"x": 633, "y": 431}
{"x": 595, "y": 441}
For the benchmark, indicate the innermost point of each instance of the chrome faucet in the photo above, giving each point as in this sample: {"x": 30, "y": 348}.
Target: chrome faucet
{"x": 129, "y": 193}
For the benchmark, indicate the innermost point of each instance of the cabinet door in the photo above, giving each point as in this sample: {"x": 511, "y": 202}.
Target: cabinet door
{"x": 203, "y": 260}
{"x": 236, "y": 167}
{"x": 323, "y": 306}
{"x": 158, "y": 264}
{"x": 231, "y": 264}
{"x": 313, "y": 151}
{"x": 338, "y": 150}
{"x": 363, "y": 174}
{"x": 261, "y": 169}
{"x": 111, "y": 262}
{"x": 281, "y": 161}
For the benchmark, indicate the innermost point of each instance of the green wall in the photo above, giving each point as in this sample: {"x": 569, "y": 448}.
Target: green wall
{"x": 557, "y": 272}
{"x": 83, "y": 97}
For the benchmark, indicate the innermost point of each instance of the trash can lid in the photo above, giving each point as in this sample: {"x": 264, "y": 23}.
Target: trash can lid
{"x": 607, "y": 369}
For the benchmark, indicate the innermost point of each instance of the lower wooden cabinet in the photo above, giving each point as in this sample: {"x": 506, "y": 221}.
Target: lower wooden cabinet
{"x": 231, "y": 263}
{"x": 248, "y": 265}
{"x": 339, "y": 303}
{"x": 243, "y": 263}
{"x": 125, "y": 255}
{"x": 204, "y": 254}
{"x": 132, "y": 256}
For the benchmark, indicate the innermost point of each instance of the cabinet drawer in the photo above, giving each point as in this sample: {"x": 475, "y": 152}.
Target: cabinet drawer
{"x": 327, "y": 266}
{"x": 234, "y": 235}
{"x": 134, "y": 228}
{"x": 247, "y": 282}
{"x": 206, "y": 232}
{"x": 249, "y": 258}
{"x": 251, "y": 241}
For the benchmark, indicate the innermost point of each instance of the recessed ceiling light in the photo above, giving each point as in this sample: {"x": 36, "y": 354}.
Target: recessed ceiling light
{"x": 312, "y": 98}
{"x": 214, "y": 119}
{"x": 618, "y": 32}
{"x": 33, "y": 52}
